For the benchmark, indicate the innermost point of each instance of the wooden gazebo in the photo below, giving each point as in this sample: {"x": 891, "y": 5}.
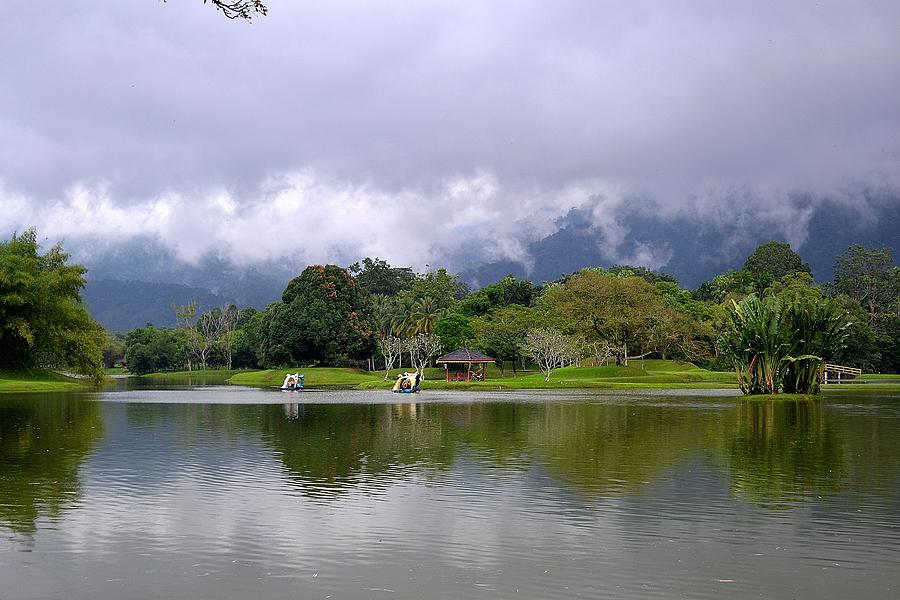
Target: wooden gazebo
{"x": 463, "y": 357}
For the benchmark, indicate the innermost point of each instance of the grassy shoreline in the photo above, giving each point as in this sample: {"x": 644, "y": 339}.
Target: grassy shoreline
{"x": 647, "y": 374}
{"x": 40, "y": 380}
{"x": 650, "y": 374}
{"x": 187, "y": 376}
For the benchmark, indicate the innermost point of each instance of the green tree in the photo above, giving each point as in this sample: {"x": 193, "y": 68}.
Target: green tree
{"x": 150, "y": 349}
{"x": 603, "y": 308}
{"x": 42, "y": 319}
{"x": 502, "y": 331}
{"x": 426, "y": 312}
{"x": 887, "y": 344}
{"x": 773, "y": 260}
{"x": 442, "y": 287}
{"x": 455, "y": 331}
{"x": 113, "y": 350}
{"x": 323, "y": 318}
{"x": 377, "y": 276}
{"x": 733, "y": 285}
{"x": 382, "y": 310}
{"x": 643, "y": 272}
{"x": 862, "y": 348}
{"x": 868, "y": 276}
{"x": 508, "y": 290}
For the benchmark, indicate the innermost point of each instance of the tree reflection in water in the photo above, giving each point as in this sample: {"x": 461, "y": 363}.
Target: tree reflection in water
{"x": 783, "y": 451}
{"x": 43, "y": 442}
{"x": 593, "y": 448}
{"x": 775, "y": 453}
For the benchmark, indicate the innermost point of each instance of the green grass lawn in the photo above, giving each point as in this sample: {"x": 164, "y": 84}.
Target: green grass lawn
{"x": 39, "y": 380}
{"x": 314, "y": 377}
{"x": 861, "y": 388}
{"x": 646, "y": 374}
{"x": 639, "y": 374}
{"x": 210, "y": 375}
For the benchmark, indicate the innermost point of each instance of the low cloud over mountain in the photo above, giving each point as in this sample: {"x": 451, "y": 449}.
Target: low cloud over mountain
{"x": 447, "y": 133}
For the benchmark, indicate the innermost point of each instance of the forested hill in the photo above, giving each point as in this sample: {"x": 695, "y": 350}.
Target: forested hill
{"x": 692, "y": 250}
{"x": 123, "y": 305}
{"x": 688, "y": 248}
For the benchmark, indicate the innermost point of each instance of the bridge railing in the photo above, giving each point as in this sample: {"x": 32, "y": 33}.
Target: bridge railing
{"x": 840, "y": 371}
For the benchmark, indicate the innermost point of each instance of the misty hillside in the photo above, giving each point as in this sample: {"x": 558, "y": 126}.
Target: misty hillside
{"x": 121, "y": 306}
{"x": 137, "y": 283}
{"x": 694, "y": 251}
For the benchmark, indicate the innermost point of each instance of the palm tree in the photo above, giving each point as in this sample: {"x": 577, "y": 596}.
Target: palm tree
{"x": 426, "y": 313}
{"x": 402, "y": 318}
{"x": 382, "y": 313}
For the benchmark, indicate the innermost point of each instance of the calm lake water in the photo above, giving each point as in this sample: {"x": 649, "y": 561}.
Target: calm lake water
{"x": 222, "y": 492}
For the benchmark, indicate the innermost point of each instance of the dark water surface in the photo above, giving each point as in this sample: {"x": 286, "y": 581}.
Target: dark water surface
{"x": 233, "y": 493}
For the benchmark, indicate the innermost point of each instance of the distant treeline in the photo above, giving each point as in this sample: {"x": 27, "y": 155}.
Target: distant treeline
{"x": 373, "y": 315}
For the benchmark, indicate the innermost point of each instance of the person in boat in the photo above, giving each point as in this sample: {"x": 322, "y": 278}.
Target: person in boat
{"x": 406, "y": 382}
{"x": 292, "y": 381}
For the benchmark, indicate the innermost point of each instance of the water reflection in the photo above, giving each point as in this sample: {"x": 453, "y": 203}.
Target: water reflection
{"x": 609, "y": 497}
{"x": 42, "y": 444}
{"x": 783, "y": 452}
{"x": 328, "y": 448}
{"x": 774, "y": 453}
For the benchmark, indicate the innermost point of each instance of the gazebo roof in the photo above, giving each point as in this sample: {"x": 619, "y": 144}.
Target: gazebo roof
{"x": 464, "y": 355}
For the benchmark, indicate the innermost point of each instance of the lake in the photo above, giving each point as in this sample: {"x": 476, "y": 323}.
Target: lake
{"x": 223, "y": 492}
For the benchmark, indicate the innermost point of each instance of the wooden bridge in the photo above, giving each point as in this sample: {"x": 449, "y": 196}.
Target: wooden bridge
{"x": 841, "y": 372}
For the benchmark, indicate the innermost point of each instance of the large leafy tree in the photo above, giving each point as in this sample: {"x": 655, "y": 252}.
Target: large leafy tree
{"x": 42, "y": 319}
{"x": 377, "y": 276}
{"x": 150, "y": 349}
{"x": 502, "y": 331}
{"x": 619, "y": 311}
{"x": 426, "y": 313}
{"x": 508, "y": 290}
{"x": 868, "y": 276}
{"x": 454, "y": 330}
{"x": 642, "y": 272}
{"x": 442, "y": 287}
{"x": 773, "y": 260}
{"x": 733, "y": 285}
{"x": 323, "y": 318}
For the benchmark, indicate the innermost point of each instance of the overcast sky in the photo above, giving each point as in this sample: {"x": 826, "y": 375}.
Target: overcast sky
{"x": 408, "y": 129}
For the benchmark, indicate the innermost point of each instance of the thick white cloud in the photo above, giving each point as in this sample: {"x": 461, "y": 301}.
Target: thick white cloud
{"x": 315, "y": 130}
{"x": 307, "y": 217}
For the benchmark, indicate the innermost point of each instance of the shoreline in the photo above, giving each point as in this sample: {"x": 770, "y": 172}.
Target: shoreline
{"x": 649, "y": 375}
{"x": 40, "y": 380}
